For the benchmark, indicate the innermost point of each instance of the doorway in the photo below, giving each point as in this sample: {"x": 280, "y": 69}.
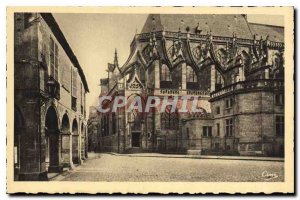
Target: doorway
{"x": 136, "y": 139}
{"x": 52, "y": 138}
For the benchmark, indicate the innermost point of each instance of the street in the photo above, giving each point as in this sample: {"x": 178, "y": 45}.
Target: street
{"x": 108, "y": 167}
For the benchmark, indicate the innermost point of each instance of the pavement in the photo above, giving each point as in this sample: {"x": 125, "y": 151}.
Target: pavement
{"x": 159, "y": 155}
{"x": 172, "y": 168}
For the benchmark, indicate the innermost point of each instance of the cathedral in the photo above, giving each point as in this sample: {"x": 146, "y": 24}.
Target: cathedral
{"x": 233, "y": 67}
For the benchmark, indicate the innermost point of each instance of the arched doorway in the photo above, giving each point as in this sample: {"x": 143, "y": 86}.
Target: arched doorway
{"x": 52, "y": 138}
{"x": 75, "y": 142}
{"x": 18, "y": 128}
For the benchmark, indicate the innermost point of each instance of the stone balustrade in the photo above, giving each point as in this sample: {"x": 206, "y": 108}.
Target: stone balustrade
{"x": 177, "y": 92}
{"x": 191, "y": 36}
{"x": 251, "y": 84}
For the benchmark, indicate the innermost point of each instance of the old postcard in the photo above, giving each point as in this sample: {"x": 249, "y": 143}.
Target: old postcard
{"x": 150, "y": 99}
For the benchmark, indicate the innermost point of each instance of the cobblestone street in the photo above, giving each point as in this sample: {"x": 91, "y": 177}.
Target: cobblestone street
{"x": 108, "y": 167}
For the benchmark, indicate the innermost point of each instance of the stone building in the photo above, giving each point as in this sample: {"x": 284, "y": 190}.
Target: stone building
{"x": 50, "y": 127}
{"x": 234, "y": 68}
{"x": 93, "y": 126}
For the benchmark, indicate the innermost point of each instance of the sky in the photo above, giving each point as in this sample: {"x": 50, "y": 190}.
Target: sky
{"x": 94, "y": 37}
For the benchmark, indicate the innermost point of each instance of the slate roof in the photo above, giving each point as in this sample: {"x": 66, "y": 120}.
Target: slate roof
{"x": 49, "y": 19}
{"x": 220, "y": 25}
{"x": 276, "y": 33}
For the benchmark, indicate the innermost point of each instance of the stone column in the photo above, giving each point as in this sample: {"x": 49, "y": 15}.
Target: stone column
{"x": 82, "y": 146}
{"x": 183, "y": 76}
{"x": 267, "y": 74}
{"x": 32, "y": 147}
{"x": 212, "y": 78}
{"x": 66, "y": 147}
{"x": 241, "y": 73}
{"x": 156, "y": 74}
{"x": 75, "y": 149}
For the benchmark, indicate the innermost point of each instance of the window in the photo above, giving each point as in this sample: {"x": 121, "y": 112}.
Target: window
{"x": 53, "y": 59}
{"x": 229, "y": 103}
{"x": 81, "y": 98}
{"x": 218, "y": 129}
{"x": 207, "y": 131}
{"x": 66, "y": 76}
{"x": 218, "y": 110}
{"x": 74, "y": 89}
{"x": 74, "y": 83}
{"x": 279, "y": 99}
{"x": 56, "y": 63}
{"x": 74, "y": 103}
{"x": 279, "y": 125}
{"x": 191, "y": 76}
{"x": 165, "y": 73}
{"x": 169, "y": 120}
{"x": 229, "y": 127}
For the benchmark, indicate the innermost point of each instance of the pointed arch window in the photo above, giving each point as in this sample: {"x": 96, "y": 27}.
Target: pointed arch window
{"x": 191, "y": 76}
{"x": 169, "y": 120}
{"x": 165, "y": 73}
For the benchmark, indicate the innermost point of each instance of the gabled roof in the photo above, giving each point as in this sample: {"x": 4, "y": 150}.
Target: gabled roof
{"x": 220, "y": 25}
{"x": 49, "y": 19}
{"x": 275, "y": 33}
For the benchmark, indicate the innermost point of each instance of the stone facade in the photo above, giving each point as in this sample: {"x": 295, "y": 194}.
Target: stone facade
{"x": 50, "y": 131}
{"x": 234, "y": 68}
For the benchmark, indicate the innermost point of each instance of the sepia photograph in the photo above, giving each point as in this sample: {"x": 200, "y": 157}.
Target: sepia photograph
{"x": 136, "y": 99}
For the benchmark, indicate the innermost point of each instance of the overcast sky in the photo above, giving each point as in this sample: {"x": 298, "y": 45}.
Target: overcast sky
{"x": 94, "y": 37}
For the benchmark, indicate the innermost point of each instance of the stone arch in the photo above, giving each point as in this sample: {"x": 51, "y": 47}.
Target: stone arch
{"x": 75, "y": 142}
{"x": 65, "y": 123}
{"x": 66, "y": 141}
{"x": 52, "y": 138}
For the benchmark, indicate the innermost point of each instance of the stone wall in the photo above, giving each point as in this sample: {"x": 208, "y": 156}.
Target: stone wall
{"x": 32, "y": 65}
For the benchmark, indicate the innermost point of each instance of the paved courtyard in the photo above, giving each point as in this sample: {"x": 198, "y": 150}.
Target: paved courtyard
{"x": 108, "y": 167}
